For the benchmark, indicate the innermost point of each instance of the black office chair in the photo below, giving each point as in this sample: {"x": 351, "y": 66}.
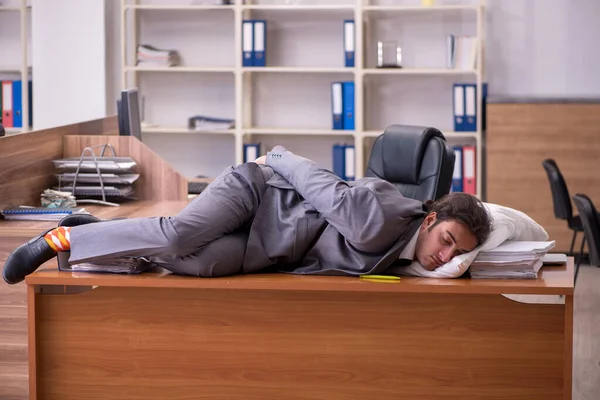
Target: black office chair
{"x": 562, "y": 201}
{"x": 416, "y": 159}
{"x": 591, "y": 228}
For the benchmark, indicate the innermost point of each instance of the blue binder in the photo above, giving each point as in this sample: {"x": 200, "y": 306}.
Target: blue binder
{"x": 343, "y": 161}
{"x": 349, "y": 173}
{"x": 260, "y": 42}
{"x": 251, "y": 151}
{"x": 470, "y": 120}
{"x": 457, "y": 175}
{"x": 484, "y": 93}
{"x": 30, "y": 103}
{"x": 337, "y": 105}
{"x": 458, "y": 107}
{"x": 348, "y": 105}
{"x": 339, "y": 164}
{"x": 349, "y": 42}
{"x": 17, "y": 104}
{"x": 247, "y": 43}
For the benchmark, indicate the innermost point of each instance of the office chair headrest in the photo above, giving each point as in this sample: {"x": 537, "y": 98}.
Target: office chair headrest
{"x": 402, "y": 148}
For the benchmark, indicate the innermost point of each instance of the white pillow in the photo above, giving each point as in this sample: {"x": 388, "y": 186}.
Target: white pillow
{"x": 508, "y": 224}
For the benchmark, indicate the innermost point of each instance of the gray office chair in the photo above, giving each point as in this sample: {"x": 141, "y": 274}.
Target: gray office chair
{"x": 416, "y": 159}
{"x": 591, "y": 228}
{"x": 562, "y": 202}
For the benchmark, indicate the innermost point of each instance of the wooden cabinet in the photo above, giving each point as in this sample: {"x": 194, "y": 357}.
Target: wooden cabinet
{"x": 520, "y": 136}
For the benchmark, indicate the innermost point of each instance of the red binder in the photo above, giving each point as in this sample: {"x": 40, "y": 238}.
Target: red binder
{"x": 469, "y": 170}
{"x": 7, "y": 104}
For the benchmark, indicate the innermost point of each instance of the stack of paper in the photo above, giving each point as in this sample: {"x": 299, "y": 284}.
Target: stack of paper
{"x": 121, "y": 265}
{"x": 89, "y": 164}
{"x": 124, "y": 179}
{"x": 116, "y": 175}
{"x": 152, "y": 57}
{"x": 204, "y": 123}
{"x": 512, "y": 259}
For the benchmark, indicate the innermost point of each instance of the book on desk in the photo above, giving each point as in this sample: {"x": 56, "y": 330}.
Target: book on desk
{"x": 40, "y": 213}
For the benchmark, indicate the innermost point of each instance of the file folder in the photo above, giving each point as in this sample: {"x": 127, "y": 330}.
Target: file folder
{"x": 30, "y": 102}
{"x": 247, "y": 43}
{"x": 458, "y": 105}
{"x": 260, "y": 42}
{"x": 337, "y": 105}
{"x": 484, "y": 93}
{"x": 339, "y": 165}
{"x": 17, "y": 104}
{"x": 348, "y": 105}
{"x": 470, "y": 120}
{"x": 7, "y": 104}
{"x": 469, "y": 173}
{"x": 349, "y": 43}
{"x": 450, "y": 46}
{"x": 457, "y": 175}
{"x": 343, "y": 161}
{"x": 251, "y": 151}
{"x": 349, "y": 163}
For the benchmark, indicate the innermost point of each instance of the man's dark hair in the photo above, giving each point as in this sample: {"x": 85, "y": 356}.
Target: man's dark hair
{"x": 463, "y": 208}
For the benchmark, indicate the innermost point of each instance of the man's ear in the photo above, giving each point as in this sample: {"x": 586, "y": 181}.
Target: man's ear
{"x": 429, "y": 220}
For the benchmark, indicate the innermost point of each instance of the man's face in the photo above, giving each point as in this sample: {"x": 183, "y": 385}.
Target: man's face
{"x": 438, "y": 243}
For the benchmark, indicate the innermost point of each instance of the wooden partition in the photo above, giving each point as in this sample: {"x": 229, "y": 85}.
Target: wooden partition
{"x": 520, "y": 136}
{"x": 158, "y": 180}
{"x": 26, "y": 167}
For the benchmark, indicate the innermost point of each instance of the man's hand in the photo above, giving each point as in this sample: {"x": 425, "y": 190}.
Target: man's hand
{"x": 261, "y": 160}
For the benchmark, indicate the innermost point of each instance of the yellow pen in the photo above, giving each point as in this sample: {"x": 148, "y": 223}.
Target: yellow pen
{"x": 380, "y": 277}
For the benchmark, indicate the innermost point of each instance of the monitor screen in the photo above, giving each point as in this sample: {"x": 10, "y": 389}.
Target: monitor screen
{"x": 129, "y": 113}
{"x": 121, "y": 119}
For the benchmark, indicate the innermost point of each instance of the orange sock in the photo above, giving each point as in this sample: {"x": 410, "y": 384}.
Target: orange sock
{"x": 59, "y": 238}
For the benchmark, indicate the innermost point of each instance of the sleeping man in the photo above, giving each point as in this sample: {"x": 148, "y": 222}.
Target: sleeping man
{"x": 282, "y": 213}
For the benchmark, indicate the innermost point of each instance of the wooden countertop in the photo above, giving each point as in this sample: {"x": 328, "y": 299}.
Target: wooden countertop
{"x": 552, "y": 280}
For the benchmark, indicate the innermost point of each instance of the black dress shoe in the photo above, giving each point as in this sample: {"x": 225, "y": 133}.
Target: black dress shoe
{"x": 78, "y": 219}
{"x": 27, "y": 258}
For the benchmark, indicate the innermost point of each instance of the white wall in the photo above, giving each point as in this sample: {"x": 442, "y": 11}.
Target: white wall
{"x": 69, "y": 61}
{"x": 544, "y": 48}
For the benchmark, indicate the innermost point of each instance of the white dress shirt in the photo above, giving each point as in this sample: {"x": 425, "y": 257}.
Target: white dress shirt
{"x": 409, "y": 250}
{"x": 407, "y": 253}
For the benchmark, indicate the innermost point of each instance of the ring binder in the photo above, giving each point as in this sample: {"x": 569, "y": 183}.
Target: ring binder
{"x": 40, "y": 213}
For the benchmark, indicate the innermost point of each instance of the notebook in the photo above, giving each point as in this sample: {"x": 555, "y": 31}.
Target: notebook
{"x": 40, "y": 213}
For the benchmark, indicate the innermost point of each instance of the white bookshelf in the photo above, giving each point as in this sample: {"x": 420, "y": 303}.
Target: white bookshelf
{"x": 15, "y": 17}
{"x": 288, "y": 102}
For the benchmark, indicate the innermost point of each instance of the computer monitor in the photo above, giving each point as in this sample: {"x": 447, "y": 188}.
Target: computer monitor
{"x": 121, "y": 119}
{"x": 129, "y": 116}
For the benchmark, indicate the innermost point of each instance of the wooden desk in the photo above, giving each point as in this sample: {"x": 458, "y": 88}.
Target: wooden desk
{"x": 159, "y": 336}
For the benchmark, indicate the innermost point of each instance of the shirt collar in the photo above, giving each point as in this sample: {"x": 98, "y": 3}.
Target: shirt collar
{"x": 409, "y": 250}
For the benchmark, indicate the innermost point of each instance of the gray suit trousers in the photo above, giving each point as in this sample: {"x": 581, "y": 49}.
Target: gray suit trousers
{"x": 207, "y": 238}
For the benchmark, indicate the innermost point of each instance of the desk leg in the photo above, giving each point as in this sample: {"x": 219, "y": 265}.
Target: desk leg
{"x": 31, "y": 329}
{"x": 568, "y": 347}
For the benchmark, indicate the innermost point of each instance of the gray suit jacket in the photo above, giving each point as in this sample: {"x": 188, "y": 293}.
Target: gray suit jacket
{"x": 312, "y": 222}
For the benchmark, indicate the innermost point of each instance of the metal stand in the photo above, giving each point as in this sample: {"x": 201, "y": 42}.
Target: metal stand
{"x": 93, "y": 156}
